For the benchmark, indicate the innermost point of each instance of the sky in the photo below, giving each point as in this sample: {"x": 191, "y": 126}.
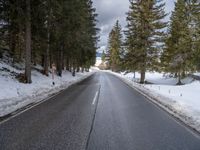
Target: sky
{"x": 111, "y": 10}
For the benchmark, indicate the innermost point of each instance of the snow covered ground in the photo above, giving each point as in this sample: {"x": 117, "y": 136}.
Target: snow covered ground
{"x": 15, "y": 95}
{"x": 181, "y": 101}
{"x": 197, "y": 74}
{"x": 158, "y": 78}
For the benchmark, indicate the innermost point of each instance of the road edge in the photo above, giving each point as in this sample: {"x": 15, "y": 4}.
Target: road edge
{"x": 23, "y": 109}
{"x": 180, "y": 118}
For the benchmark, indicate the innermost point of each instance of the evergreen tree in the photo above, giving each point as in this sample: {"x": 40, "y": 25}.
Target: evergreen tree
{"x": 53, "y": 31}
{"x": 145, "y": 34}
{"x": 195, "y": 25}
{"x": 12, "y": 16}
{"x": 178, "y": 53}
{"x": 115, "y": 47}
{"x": 103, "y": 56}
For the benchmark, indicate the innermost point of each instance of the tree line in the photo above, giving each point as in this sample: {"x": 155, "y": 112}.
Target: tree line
{"x": 46, "y": 32}
{"x": 153, "y": 44}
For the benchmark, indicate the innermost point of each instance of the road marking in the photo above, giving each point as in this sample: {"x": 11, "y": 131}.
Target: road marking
{"x": 95, "y": 98}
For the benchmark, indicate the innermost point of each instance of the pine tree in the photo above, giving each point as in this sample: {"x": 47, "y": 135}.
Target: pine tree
{"x": 145, "y": 34}
{"x": 195, "y": 25}
{"x": 115, "y": 46}
{"x": 12, "y": 27}
{"x": 103, "y": 56}
{"x": 178, "y": 53}
{"x": 53, "y": 31}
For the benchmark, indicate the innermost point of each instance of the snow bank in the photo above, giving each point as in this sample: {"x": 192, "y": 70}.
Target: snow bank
{"x": 197, "y": 73}
{"x": 15, "y": 95}
{"x": 181, "y": 101}
{"x": 158, "y": 78}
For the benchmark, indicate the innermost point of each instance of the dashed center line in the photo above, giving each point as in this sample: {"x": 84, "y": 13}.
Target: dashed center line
{"x": 95, "y": 98}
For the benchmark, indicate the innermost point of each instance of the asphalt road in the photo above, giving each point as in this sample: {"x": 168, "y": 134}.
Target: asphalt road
{"x": 100, "y": 113}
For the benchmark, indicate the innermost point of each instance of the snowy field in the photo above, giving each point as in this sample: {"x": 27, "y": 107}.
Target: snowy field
{"x": 181, "y": 101}
{"x": 15, "y": 95}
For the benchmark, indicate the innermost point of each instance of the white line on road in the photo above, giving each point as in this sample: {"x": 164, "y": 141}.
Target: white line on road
{"x": 95, "y": 98}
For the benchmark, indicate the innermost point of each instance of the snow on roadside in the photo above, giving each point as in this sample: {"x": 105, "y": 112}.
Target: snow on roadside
{"x": 158, "y": 78}
{"x": 197, "y": 73}
{"x": 181, "y": 101}
{"x": 15, "y": 95}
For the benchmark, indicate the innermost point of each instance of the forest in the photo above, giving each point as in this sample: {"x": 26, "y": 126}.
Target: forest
{"x": 150, "y": 43}
{"x": 48, "y": 32}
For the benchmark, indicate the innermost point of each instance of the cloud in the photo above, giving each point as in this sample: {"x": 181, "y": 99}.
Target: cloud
{"x": 111, "y": 10}
{"x": 108, "y": 12}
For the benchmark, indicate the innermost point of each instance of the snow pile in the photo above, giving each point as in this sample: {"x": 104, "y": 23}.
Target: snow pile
{"x": 15, "y": 95}
{"x": 181, "y": 101}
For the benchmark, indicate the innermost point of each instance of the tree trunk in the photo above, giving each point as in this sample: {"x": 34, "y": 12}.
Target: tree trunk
{"x": 70, "y": 65}
{"x": 21, "y": 44}
{"x": 179, "y": 79}
{"x": 82, "y": 69}
{"x": 183, "y": 74}
{"x": 67, "y": 64}
{"x": 12, "y": 46}
{"x": 33, "y": 58}
{"x": 28, "y": 43}
{"x": 46, "y": 59}
{"x": 74, "y": 71}
{"x": 77, "y": 69}
{"x": 50, "y": 58}
{"x": 176, "y": 75}
{"x": 60, "y": 60}
{"x": 142, "y": 78}
{"x": 42, "y": 60}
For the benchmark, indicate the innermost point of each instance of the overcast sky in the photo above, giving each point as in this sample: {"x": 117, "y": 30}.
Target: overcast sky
{"x": 111, "y": 10}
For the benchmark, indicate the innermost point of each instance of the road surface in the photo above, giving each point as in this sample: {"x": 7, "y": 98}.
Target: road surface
{"x": 100, "y": 113}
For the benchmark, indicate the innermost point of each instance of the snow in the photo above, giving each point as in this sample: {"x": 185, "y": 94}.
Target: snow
{"x": 197, "y": 73}
{"x": 183, "y": 101}
{"x": 98, "y": 61}
{"x": 15, "y": 95}
{"x": 158, "y": 78}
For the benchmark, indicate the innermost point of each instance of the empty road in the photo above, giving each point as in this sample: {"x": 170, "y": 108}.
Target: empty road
{"x": 100, "y": 113}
